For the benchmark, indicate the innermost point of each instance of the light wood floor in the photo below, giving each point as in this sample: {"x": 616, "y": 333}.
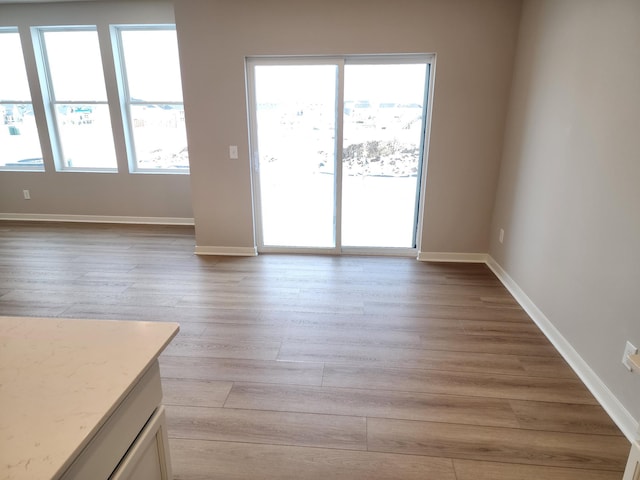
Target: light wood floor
{"x": 319, "y": 367}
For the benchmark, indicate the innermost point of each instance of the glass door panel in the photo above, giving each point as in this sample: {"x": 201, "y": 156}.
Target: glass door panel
{"x": 382, "y": 153}
{"x": 295, "y": 116}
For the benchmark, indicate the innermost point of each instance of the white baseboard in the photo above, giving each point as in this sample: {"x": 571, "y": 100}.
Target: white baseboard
{"x": 37, "y": 217}
{"x": 227, "y": 251}
{"x": 618, "y": 413}
{"x": 452, "y": 257}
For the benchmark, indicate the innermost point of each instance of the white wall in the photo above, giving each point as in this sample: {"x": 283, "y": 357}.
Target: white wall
{"x": 474, "y": 42}
{"x": 76, "y": 193}
{"x": 569, "y": 190}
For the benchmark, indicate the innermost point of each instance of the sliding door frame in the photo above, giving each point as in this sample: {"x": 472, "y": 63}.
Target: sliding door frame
{"x": 339, "y": 62}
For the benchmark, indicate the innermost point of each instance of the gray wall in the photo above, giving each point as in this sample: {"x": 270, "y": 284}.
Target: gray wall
{"x": 474, "y": 42}
{"x": 76, "y": 193}
{"x": 569, "y": 191}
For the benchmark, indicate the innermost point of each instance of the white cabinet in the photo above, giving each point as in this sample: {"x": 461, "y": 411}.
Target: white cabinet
{"x": 84, "y": 399}
{"x": 148, "y": 457}
{"x": 132, "y": 444}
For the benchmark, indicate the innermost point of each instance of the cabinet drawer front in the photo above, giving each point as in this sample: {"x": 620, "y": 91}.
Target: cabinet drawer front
{"x": 148, "y": 457}
{"x": 105, "y": 451}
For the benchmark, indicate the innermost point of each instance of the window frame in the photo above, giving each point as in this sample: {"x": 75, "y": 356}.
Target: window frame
{"x": 126, "y": 101}
{"x": 51, "y": 102}
{"x": 24, "y": 168}
{"x": 341, "y": 60}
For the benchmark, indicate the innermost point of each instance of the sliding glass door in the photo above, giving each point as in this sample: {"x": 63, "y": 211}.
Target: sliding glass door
{"x": 337, "y": 150}
{"x": 381, "y": 153}
{"x": 295, "y": 127}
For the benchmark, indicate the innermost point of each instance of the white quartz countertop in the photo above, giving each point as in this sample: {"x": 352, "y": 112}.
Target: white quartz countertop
{"x": 60, "y": 380}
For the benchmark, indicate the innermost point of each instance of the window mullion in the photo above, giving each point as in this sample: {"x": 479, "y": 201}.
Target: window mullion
{"x": 338, "y": 154}
{"x": 48, "y": 96}
{"x": 108, "y": 52}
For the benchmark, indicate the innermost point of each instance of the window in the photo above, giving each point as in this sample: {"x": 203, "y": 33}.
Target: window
{"x": 152, "y": 90}
{"x": 19, "y": 141}
{"x": 77, "y": 99}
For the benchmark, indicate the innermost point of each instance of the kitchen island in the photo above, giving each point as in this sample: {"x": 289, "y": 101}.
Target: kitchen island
{"x": 81, "y": 399}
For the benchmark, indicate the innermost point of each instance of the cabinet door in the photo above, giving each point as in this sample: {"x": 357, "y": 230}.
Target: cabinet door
{"x": 148, "y": 457}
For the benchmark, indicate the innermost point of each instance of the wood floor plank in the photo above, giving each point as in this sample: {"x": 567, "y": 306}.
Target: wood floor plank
{"x": 94, "y": 296}
{"x": 301, "y": 335}
{"x": 392, "y": 290}
{"x": 321, "y": 320}
{"x": 163, "y": 313}
{"x": 422, "y": 316}
{"x": 22, "y": 309}
{"x": 538, "y": 346}
{"x": 371, "y": 403}
{"x": 437, "y": 358}
{"x": 506, "y": 445}
{"x": 409, "y": 306}
{"x": 209, "y": 287}
{"x": 291, "y": 304}
{"x": 190, "y": 346}
{"x": 196, "y": 393}
{"x": 410, "y": 296}
{"x": 447, "y": 311}
{"x": 462, "y": 299}
{"x": 68, "y": 287}
{"x": 408, "y": 358}
{"x": 53, "y": 263}
{"x": 493, "y": 328}
{"x": 547, "y": 366}
{"x": 474, "y": 470}
{"x": 26, "y": 274}
{"x": 169, "y": 278}
{"x": 239, "y": 370}
{"x": 561, "y": 417}
{"x": 223, "y": 294}
{"x": 459, "y": 383}
{"x": 275, "y": 428}
{"x": 203, "y": 460}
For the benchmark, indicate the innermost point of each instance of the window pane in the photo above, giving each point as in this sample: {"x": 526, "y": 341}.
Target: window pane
{"x": 296, "y": 120}
{"x": 383, "y": 119}
{"x": 85, "y": 136}
{"x": 19, "y": 143}
{"x": 13, "y": 80}
{"x": 75, "y": 66}
{"x": 160, "y": 136}
{"x": 152, "y": 65}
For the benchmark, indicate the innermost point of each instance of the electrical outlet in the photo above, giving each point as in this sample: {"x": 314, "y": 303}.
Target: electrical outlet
{"x": 26, "y": 194}
{"x": 629, "y": 350}
{"x": 233, "y": 152}
{"x": 501, "y": 237}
